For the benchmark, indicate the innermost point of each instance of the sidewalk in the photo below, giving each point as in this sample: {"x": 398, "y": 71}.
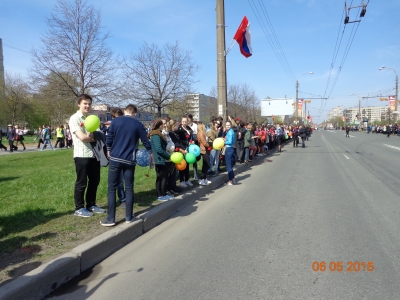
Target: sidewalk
{"x": 50, "y": 276}
{"x": 29, "y": 148}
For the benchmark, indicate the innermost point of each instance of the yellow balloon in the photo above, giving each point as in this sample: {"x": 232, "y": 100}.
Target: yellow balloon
{"x": 218, "y": 143}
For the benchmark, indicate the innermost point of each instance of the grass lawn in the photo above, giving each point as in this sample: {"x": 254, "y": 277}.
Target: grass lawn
{"x": 37, "y": 206}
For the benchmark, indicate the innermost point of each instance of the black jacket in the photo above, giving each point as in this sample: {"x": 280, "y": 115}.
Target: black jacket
{"x": 303, "y": 132}
{"x": 99, "y": 148}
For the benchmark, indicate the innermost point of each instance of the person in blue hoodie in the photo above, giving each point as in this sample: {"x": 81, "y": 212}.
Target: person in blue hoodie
{"x": 230, "y": 157}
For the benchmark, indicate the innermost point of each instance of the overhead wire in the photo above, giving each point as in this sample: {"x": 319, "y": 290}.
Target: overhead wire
{"x": 279, "y": 54}
{"x": 263, "y": 8}
{"x": 345, "y": 54}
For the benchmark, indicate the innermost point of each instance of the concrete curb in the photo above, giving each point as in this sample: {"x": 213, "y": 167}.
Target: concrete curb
{"x": 47, "y": 277}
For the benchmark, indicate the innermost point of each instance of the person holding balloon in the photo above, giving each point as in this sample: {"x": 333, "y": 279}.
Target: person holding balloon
{"x": 122, "y": 143}
{"x": 185, "y": 135}
{"x": 230, "y": 157}
{"x": 159, "y": 148}
{"x": 86, "y": 165}
{"x": 205, "y": 150}
{"x": 172, "y": 126}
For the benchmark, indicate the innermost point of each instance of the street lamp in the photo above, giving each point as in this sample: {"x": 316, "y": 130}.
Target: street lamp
{"x": 397, "y": 86}
{"x": 297, "y": 94}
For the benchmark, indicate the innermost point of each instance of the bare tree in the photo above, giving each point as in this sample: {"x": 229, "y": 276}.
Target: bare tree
{"x": 75, "y": 46}
{"x": 156, "y": 77}
{"x": 16, "y": 99}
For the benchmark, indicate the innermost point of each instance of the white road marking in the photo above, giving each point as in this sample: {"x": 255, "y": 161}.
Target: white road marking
{"x": 393, "y": 147}
{"x": 331, "y": 131}
{"x": 346, "y": 156}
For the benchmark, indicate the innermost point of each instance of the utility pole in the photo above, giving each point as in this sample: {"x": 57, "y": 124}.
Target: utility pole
{"x": 2, "y": 80}
{"x": 297, "y": 100}
{"x": 397, "y": 95}
{"x": 221, "y": 60}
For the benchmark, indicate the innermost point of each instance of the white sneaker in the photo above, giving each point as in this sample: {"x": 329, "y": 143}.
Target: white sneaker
{"x": 188, "y": 183}
{"x": 183, "y": 185}
{"x": 207, "y": 181}
{"x": 202, "y": 182}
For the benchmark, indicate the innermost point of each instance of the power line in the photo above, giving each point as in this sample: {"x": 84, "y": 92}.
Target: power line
{"x": 278, "y": 54}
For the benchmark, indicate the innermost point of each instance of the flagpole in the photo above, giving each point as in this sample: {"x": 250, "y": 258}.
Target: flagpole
{"x": 221, "y": 60}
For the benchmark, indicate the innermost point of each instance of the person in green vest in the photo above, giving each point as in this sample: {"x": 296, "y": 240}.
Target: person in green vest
{"x": 60, "y": 136}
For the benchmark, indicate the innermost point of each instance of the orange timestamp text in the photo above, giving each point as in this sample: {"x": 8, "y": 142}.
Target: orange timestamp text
{"x": 339, "y": 266}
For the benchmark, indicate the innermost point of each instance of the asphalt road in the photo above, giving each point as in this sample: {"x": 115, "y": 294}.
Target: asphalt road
{"x": 336, "y": 201}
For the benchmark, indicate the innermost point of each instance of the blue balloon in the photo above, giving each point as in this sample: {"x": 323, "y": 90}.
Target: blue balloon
{"x": 194, "y": 149}
{"x": 142, "y": 158}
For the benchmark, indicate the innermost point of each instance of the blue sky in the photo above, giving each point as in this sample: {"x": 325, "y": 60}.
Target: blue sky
{"x": 307, "y": 31}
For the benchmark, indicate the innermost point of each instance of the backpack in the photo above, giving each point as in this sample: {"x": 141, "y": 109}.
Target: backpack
{"x": 46, "y": 134}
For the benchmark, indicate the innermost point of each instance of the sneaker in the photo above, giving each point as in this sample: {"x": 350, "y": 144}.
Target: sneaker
{"x": 107, "y": 223}
{"x": 177, "y": 189}
{"x": 170, "y": 197}
{"x": 97, "y": 210}
{"x": 188, "y": 183}
{"x": 229, "y": 183}
{"x": 83, "y": 212}
{"x": 183, "y": 185}
{"x": 195, "y": 177}
{"x": 162, "y": 198}
{"x": 172, "y": 192}
{"x": 207, "y": 181}
{"x": 133, "y": 219}
{"x": 202, "y": 182}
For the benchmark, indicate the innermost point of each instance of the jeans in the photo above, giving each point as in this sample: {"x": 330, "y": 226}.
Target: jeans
{"x": 120, "y": 188}
{"x": 214, "y": 160}
{"x": 87, "y": 179}
{"x": 114, "y": 174}
{"x": 246, "y": 154}
{"x": 47, "y": 141}
{"x": 230, "y": 160}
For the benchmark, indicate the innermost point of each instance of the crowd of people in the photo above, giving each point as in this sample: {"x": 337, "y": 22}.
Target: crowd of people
{"x": 14, "y": 136}
{"x": 117, "y": 142}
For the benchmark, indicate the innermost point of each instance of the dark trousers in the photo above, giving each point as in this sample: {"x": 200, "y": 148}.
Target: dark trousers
{"x": 206, "y": 165}
{"x": 295, "y": 140}
{"x": 40, "y": 142}
{"x": 2, "y": 146}
{"x": 61, "y": 141}
{"x": 240, "y": 150}
{"x": 302, "y": 142}
{"x": 87, "y": 179}
{"x": 171, "y": 176}
{"x": 184, "y": 175}
{"x": 12, "y": 147}
{"x": 161, "y": 180}
{"x": 115, "y": 170}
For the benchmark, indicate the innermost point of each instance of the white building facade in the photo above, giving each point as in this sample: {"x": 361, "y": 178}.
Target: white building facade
{"x": 372, "y": 113}
{"x": 201, "y": 106}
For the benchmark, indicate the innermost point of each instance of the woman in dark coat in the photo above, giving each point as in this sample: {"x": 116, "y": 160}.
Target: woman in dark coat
{"x": 158, "y": 147}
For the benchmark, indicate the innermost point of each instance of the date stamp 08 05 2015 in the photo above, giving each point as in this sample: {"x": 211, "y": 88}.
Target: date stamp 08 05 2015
{"x": 339, "y": 266}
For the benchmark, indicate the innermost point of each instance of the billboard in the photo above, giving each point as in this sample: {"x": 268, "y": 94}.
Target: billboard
{"x": 277, "y": 107}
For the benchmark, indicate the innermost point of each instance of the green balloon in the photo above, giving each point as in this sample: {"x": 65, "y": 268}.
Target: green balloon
{"x": 92, "y": 123}
{"x": 190, "y": 158}
{"x": 176, "y": 157}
